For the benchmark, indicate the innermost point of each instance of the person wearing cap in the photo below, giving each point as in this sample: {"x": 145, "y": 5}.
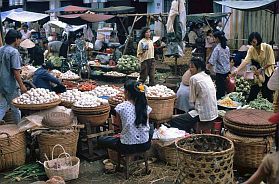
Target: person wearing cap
{"x": 43, "y": 79}
{"x": 182, "y": 103}
{"x": 25, "y": 32}
{"x": 10, "y": 81}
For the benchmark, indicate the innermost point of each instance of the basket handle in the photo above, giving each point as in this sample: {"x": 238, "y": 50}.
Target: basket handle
{"x": 68, "y": 156}
{"x": 8, "y": 136}
{"x": 55, "y": 147}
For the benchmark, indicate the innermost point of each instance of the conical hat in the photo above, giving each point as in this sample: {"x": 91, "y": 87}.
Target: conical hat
{"x": 27, "y": 44}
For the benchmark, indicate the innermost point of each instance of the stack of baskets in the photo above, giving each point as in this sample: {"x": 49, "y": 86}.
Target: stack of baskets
{"x": 162, "y": 108}
{"x": 205, "y": 158}
{"x": 96, "y": 116}
{"x": 251, "y": 133}
{"x": 12, "y": 147}
{"x": 60, "y": 132}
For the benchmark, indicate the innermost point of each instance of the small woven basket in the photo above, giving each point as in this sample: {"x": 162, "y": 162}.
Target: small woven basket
{"x": 162, "y": 107}
{"x": 168, "y": 153}
{"x": 249, "y": 151}
{"x": 205, "y": 158}
{"x": 67, "y": 167}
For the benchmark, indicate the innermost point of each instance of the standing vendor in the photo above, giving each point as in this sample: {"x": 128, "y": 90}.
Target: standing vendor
{"x": 43, "y": 79}
{"x": 10, "y": 80}
{"x": 145, "y": 53}
{"x": 263, "y": 54}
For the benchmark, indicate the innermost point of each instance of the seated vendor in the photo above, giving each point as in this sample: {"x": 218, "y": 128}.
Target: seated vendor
{"x": 43, "y": 79}
{"x": 202, "y": 95}
{"x": 132, "y": 115}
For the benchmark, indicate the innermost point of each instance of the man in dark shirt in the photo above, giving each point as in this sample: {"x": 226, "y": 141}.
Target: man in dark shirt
{"x": 43, "y": 79}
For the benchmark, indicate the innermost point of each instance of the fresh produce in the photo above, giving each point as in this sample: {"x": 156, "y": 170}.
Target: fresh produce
{"x": 28, "y": 171}
{"x": 117, "y": 99}
{"x": 56, "y": 61}
{"x": 56, "y": 73}
{"x": 243, "y": 85}
{"x": 134, "y": 75}
{"x": 90, "y": 101}
{"x": 128, "y": 63}
{"x": 115, "y": 74}
{"x": 70, "y": 84}
{"x": 261, "y": 104}
{"x": 162, "y": 76}
{"x": 71, "y": 96}
{"x": 37, "y": 96}
{"x": 237, "y": 96}
{"x": 159, "y": 91}
{"x": 86, "y": 86}
{"x": 104, "y": 90}
{"x": 69, "y": 75}
{"x": 227, "y": 102}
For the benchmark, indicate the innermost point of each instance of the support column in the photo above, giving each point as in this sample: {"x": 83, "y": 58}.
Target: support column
{"x": 52, "y": 5}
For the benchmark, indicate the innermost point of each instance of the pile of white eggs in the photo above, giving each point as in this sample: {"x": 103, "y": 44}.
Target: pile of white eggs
{"x": 90, "y": 101}
{"x": 159, "y": 91}
{"x": 104, "y": 90}
{"x": 37, "y": 96}
{"x": 69, "y": 75}
{"x": 71, "y": 95}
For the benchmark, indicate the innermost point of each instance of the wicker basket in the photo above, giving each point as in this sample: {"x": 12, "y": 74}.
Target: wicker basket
{"x": 162, "y": 108}
{"x": 91, "y": 110}
{"x": 167, "y": 153}
{"x": 12, "y": 147}
{"x": 276, "y": 101}
{"x": 37, "y": 107}
{"x": 185, "y": 60}
{"x": 94, "y": 119}
{"x": 205, "y": 158}
{"x": 67, "y": 104}
{"x": 249, "y": 152}
{"x": 70, "y": 169}
{"x": 57, "y": 120}
{"x": 47, "y": 140}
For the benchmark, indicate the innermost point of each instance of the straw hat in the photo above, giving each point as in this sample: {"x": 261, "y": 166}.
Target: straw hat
{"x": 186, "y": 78}
{"x": 27, "y": 44}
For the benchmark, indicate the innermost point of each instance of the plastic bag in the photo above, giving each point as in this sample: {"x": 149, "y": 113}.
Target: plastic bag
{"x": 230, "y": 83}
{"x": 168, "y": 134}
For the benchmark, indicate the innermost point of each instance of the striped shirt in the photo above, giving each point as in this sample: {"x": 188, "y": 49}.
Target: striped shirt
{"x": 203, "y": 94}
{"x": 220, "y": 59}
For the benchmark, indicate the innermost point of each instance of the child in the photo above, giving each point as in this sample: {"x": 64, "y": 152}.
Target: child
{"x": 133, "y": 117}
{"x": 209, "y": 41}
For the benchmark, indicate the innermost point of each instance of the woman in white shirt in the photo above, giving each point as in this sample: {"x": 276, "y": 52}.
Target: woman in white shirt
{"x": 202, "y": 95}
{"x": 132, "y": 115}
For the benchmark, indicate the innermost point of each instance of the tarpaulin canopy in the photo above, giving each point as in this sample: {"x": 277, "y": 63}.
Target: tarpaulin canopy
{"x": 59, "y": 24}
{"x": 80, "y": 19}
{"x": 115, "y": 9}
{"x": 247, "y": 5}
{"x": 200, "y": 18}
{"x": 6, "y": 13}
{"x": 69, "y": 8}
{"x": 26, "y": 16}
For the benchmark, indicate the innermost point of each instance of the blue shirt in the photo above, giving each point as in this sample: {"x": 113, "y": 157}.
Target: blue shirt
{"x": 9, "y": 60}
{"x": 42, "y": 79}
{"x": 220, "y": 59}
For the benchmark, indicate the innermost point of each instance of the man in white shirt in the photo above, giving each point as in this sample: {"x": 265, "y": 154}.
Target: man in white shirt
{"x": 25, "y": 32}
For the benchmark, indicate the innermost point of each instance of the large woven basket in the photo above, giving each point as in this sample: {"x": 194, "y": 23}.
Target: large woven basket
{"x": 205, "y": 158}
{"x": 12, "y": 147}
{"x": 249, "y": 122}
{"x": 37, "y": 107}
{"x": 94, "y": 119}
{"x": 249, "y": 151}
{"x": 162, "y": 108}
{"x": 57, "y": 120}
{"x": 91, "y": 110}
{"x": 47, "y": 140}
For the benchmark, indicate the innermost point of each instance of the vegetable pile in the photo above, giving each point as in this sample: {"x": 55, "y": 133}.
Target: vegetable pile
{"x": 128, "y": 63}
{"x": 237, "y": 96}
{"x": 86, "y": 86}
{"x": 114, "y": 74}
{"x": 261, "y": 104}
{"x": 242, "y": 85}
{"x": 56, "y": 61}
{"x": 71, "y": 96}
{"x": 69, "y": 75}
{"x": 37, "y": 96}
{"x": 28, "y": 171}
{"x": 159, "y": 91}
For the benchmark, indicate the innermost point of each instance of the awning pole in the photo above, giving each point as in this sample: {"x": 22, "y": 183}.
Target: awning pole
{"x": 274, "y": 17}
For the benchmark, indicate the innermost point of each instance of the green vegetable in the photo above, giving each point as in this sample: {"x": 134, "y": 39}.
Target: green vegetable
{"x": 128, "y": 63}
{"x": 261, "y": 104}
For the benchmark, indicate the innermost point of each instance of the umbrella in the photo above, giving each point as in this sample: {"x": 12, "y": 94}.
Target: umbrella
{"x": 80, "y": 19}
{"x": 26, "y": 16}
{"x": 69, "y": 8}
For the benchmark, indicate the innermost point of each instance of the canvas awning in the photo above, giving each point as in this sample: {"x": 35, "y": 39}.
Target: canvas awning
{"x": 69, "y": 8}
{"x": 200, "y": 18}
{"x": 6, "y": 13}
{"x": 80, "y": 19}
{"x": 247, "y": 5}
{"x": 114, "y": 9}
{"x": 26, "y": 16}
